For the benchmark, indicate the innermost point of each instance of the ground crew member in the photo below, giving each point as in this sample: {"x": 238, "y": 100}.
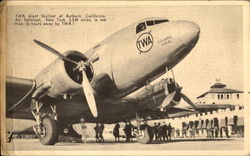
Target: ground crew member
{"x": 169, "y": 131}
{"x": 84, "y": 130}
{"x": 226, "y": 131}
{"x": 164, "y": 131}
{"x": 116, "y": 132}
{"x": 155, "y": 131}
{"x": 127, "y": 131}
{"x": 130, "y": 131}
{"x": 159, "y": 131}
{"x": 216, "y": 131}
{"x": 97, "y": 128}
{"x": 101, "y": 133}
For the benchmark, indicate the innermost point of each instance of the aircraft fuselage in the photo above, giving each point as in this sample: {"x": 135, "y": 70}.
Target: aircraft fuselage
{"x": 121, "y": 64}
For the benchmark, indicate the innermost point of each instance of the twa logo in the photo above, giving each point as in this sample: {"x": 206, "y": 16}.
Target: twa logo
{"x": 145, "y": 42}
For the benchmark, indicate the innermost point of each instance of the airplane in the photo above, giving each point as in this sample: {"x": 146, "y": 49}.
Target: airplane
{"x": 109, "y": 83}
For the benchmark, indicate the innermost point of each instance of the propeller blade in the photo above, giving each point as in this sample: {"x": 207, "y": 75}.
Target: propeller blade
{"x": 173, "y": 77}
{"x": 168, "y": 99}
{"x": 88, "y": 92}
{"x": 188, "y": 100}
{"x": 45, "y": 46}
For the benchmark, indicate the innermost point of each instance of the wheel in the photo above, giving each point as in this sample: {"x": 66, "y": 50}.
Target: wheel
{"x": 49, "y": 131}
{"x": 145, "y": 136}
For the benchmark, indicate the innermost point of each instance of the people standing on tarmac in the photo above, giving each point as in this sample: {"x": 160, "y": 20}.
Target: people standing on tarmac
{"x": 169, "y": 131}
{"x": 155, "y": 131}
{"x": 221, "y": 132}
{"x": 159, "y": 132}
{"x": 101, "y": 139}
{"x": 226, "y": 131}
{"x": 84, "y": 130}
{"x": 116, "y": 132}
{"x": 97, "y": 128}
{"x": 130, "y": 130}
{"x": 216, "y": 131}
{"x": 127, "y": 130}
{"x": 164, "y": 131}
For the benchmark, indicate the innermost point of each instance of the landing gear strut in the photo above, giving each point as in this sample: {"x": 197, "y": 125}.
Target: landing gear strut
{"x": 144, "y": 133}
{"x": 46, "y": 124}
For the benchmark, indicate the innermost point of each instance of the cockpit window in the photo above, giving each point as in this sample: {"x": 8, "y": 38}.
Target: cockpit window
{"x": 140, "y": 27}
{"x": 161, "y": 21}
{"x": 149, "y": 23}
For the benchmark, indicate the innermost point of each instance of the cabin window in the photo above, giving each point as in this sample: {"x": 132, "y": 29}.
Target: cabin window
{"x": 238, "y": 96}
{"x": 161, "y": 21}
{"x": 140, "y": 27}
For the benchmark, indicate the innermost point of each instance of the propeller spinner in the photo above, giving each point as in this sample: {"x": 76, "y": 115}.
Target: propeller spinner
{"x": 81, "y": 66}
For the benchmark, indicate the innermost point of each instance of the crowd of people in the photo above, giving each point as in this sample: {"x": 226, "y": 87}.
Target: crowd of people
{"x": 162, "y": 132}
{"x": 208, "y": 132}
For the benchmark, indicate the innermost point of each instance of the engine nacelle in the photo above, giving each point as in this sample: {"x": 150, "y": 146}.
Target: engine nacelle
{"x": 153, "y": 95}
{"x": 62, "y": 76}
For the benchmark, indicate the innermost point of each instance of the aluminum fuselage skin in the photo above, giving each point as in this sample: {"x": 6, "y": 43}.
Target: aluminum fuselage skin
{"x": 128, "y": 60}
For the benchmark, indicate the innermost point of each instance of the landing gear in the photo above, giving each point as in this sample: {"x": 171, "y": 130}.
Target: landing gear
{"x": 144, "y": 133}
{"x": 46, "y": 126}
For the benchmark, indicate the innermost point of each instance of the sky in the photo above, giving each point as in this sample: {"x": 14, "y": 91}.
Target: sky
{"x": 217, "y": 54}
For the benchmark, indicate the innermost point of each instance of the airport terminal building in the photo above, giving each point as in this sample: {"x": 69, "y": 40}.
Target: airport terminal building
{"x": 220, "y": 94}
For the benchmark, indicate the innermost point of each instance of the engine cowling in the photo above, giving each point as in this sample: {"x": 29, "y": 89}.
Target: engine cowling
{"x": 153, "y": 96}
{"x": 62, "y": 76}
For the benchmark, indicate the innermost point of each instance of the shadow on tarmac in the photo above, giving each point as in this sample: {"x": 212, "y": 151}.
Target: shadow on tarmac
{"x": 191, "y": 140}
{"x": 111, "y": 142}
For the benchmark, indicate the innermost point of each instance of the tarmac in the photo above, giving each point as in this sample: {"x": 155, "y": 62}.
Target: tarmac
{"x": 109, "y": 145}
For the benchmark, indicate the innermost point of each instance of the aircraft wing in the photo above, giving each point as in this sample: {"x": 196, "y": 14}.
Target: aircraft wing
{"x": 18, "y": 97}
{"x": 172, "y": 112}
{"x": 213, "y": 107}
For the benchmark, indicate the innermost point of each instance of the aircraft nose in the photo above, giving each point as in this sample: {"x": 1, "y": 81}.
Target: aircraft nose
{"x": 189, "y": 32}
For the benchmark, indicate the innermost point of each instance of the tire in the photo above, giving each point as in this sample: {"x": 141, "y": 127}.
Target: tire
{"x": 146, "y": 137}
{"x": 51, "y": 132}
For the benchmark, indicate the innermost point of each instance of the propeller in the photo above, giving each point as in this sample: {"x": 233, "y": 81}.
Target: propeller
{"x": 55, "y": 52}
{"x": 168, "y": 99}
{"x": 185, "y": 98}
{"x": 81, "y": 66}
{"x": 171, "y": 96}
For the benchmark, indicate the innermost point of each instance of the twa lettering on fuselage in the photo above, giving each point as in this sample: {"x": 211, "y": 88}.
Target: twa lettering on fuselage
{"x": 144, "y": 42}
